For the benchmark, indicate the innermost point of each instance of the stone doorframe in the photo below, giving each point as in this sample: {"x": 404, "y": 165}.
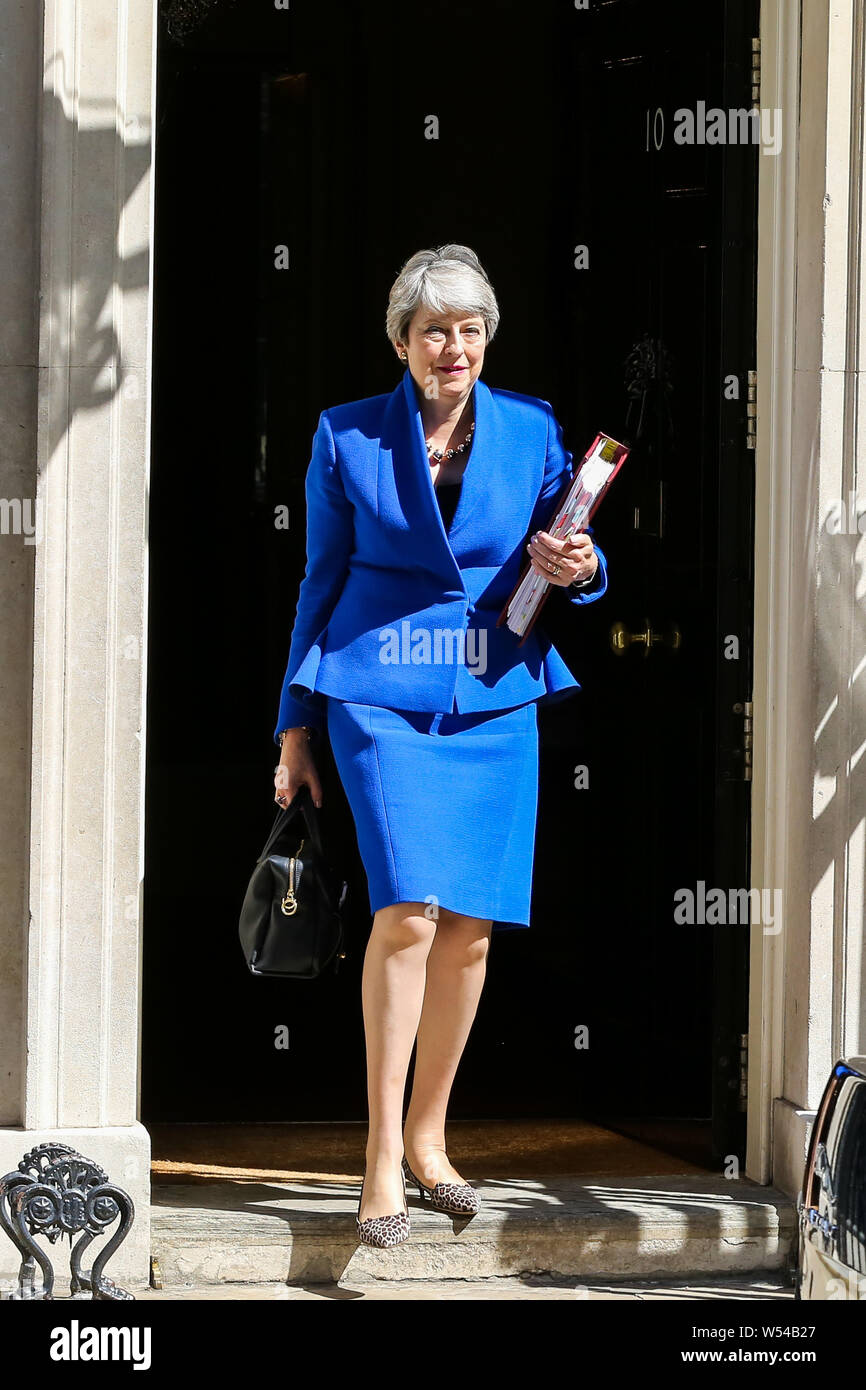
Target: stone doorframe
{"x": 807, "y": 992}
{"x": 78, "y": 85}
{"x": 75, "y": 360}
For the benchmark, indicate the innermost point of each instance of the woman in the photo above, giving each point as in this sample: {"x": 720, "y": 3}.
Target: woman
{"x": 419, "y": 503}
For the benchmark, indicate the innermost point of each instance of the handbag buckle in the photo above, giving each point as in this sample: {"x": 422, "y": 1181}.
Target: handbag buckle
{"x": 289, "y": 904}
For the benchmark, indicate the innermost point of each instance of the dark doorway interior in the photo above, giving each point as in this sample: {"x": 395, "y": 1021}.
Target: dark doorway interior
{"x": 306, "y": 129}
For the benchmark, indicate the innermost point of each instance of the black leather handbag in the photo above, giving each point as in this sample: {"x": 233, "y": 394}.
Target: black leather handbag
{"x": 291, "y": 923}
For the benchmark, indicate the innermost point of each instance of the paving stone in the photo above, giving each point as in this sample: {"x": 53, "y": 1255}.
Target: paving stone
{"x": 770, "y": 1285}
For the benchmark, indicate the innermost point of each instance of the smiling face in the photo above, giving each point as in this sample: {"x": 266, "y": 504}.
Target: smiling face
{"x": 447, "y": 348}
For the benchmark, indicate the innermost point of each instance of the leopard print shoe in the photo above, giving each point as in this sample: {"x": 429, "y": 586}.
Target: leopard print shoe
{"x": 384, "y": 1231}
{"x": 455, "y": 1198}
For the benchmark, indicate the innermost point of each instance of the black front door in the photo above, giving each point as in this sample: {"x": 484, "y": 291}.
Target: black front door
{"x": 302, "y": 156}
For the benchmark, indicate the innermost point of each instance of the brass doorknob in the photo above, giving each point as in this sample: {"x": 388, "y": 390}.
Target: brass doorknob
{"x": 621, "y": 638}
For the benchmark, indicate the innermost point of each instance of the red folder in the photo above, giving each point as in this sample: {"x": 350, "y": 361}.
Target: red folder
{"x": 612, "y": 452}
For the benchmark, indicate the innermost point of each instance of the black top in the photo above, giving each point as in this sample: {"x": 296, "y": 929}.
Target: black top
{"x": 447, "y": 495}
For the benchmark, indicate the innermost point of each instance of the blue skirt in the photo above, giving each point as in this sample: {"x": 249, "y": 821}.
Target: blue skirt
{"x": 444, "y": 805}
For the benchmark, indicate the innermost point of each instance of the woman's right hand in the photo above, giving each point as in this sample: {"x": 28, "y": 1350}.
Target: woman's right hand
{"x": 296, "y": 769}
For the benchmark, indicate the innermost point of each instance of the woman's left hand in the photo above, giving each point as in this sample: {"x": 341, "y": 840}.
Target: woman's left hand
{"x": 575, "y": 556}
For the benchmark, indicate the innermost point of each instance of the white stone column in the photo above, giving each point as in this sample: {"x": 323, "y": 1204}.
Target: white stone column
{"x": 77, "y": 1048}
{"x": 20, "y": 62}
{"x": 809, "y": 787}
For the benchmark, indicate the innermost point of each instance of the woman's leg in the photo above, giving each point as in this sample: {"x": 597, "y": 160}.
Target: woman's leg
{"x": 392, "y": 993}
{"x": 456, "y": 967}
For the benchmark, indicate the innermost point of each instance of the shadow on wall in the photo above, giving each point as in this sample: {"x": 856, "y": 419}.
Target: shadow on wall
{"x": 78, "y": 332}
{"x": 840, "y": 794}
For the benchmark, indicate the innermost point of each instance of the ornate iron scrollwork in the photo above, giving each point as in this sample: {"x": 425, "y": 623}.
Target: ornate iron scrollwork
{"x": 56, "y": 1192}
{"x": 183, "y": 17}
{"x": 647, "y": 377}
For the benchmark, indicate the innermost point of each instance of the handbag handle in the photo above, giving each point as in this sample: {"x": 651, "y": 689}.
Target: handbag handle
{"x": 302, "y": 802}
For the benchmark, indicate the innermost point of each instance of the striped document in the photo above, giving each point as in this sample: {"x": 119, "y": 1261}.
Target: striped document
{"x": 596, "y": 472}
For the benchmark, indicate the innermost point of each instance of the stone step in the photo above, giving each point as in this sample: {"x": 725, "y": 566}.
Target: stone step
{"x": 303, "y": 1232}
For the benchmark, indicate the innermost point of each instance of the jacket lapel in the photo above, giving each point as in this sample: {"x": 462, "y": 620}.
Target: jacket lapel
{"x": 477, "y": 476}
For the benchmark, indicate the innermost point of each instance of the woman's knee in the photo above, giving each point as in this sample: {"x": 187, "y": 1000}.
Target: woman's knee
{"x": 401, "y": 925}
{"x": 469, "y": 937}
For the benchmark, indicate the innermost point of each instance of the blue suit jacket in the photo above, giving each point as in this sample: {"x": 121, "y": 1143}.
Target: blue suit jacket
{"x": 393, "y": 610}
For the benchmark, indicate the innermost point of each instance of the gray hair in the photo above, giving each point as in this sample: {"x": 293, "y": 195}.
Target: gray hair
{"x": 451, "y": 278}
